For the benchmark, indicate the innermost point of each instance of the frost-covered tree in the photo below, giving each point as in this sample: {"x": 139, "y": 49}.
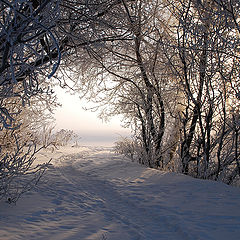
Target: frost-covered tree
{"x": 203, "y": 56}
{"x": 125, "y": 78}
{"x": 176, "y": 81}
{"x": 170, "y": 67}
{"x": 18, "y": 173}
{"x": 36, "y": 36}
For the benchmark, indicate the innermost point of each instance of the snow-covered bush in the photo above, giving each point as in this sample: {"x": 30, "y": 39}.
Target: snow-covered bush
{"x": 19, "y": 144}
{"x": 126, "y": 147}
{"x": 17, "y": 172}
{"x": 133, "y": 149}
{"x": 63, "y": 137}
{"x": 48, "y": 136}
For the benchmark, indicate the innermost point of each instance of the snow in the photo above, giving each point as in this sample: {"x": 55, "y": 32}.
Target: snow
{"x": 91, "y": 193}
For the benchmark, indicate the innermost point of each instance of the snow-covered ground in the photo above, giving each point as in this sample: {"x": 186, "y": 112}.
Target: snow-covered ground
{"x": 91, "y": 193}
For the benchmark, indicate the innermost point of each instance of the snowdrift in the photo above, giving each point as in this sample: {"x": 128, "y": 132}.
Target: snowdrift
{"x": 91, "y": 193}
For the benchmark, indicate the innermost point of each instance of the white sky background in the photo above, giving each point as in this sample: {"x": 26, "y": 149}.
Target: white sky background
{"x": 92, "y": 130}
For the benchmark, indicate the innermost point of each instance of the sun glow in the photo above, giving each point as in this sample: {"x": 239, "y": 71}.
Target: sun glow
{"x": 71, "y": 115}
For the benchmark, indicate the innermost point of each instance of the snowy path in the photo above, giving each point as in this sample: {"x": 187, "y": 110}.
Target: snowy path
{"x": 94, "y": 194}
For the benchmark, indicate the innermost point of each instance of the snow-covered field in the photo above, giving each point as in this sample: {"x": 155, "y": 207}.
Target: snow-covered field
{"x": 91, "y": 193}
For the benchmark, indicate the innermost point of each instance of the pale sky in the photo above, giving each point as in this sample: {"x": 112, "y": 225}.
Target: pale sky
{"x": 86, "y": 123}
